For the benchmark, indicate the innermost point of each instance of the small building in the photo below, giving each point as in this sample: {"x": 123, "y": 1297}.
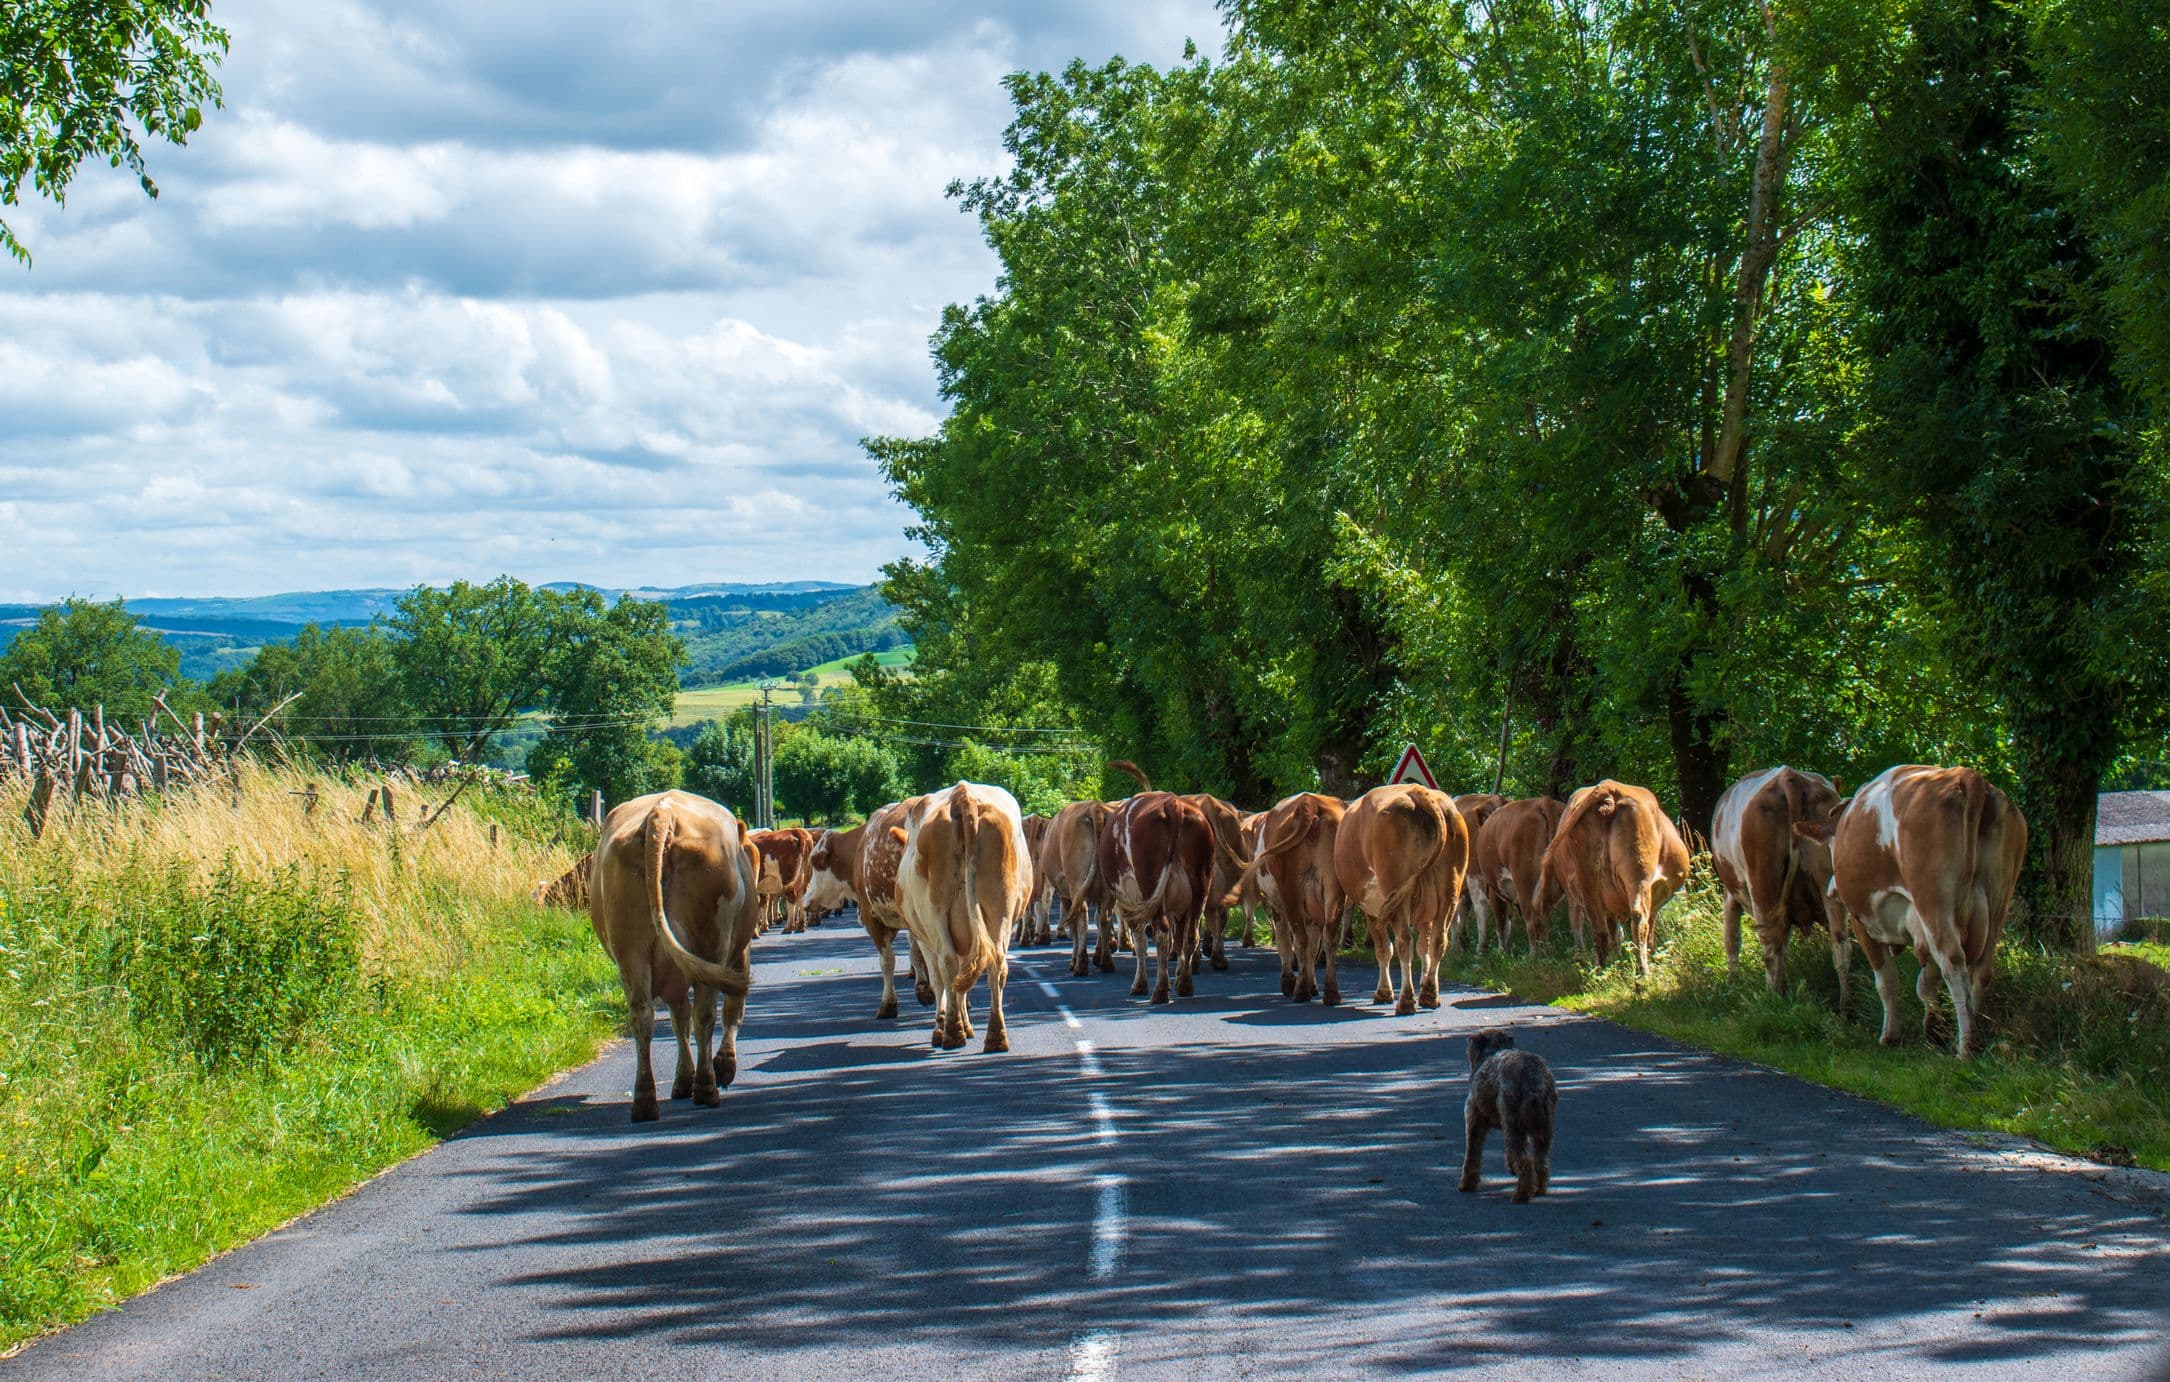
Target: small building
{"x": 2132, "y": 858}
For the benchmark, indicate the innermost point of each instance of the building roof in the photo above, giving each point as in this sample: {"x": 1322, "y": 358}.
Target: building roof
{"x": 2132, "y": 818}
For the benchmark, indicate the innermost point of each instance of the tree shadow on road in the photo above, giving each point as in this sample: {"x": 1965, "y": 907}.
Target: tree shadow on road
{"x": 1303, "y": 1187}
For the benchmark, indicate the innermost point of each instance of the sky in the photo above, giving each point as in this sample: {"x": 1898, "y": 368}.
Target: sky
{"x": 574, "y": 292}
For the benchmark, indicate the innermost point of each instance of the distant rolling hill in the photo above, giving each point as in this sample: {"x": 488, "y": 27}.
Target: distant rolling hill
{"x": 733, "y": 631}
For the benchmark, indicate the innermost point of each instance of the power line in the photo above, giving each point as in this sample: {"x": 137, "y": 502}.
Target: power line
{"x": 936, "y": 724}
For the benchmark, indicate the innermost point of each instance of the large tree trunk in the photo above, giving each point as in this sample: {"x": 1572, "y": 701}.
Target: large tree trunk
{"x": 1699, "y": 762}
{"x": 2057, "y": 888}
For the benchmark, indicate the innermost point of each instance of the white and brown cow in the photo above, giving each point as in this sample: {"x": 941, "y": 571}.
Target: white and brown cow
{"x": 1927, "y": 857}
{"x": 1505, "y": 860}
{"x": 1779, "y": 878}
{"x": 1617, "y": 859}
{"x": 1476, "y": 809}
{"x": 788, "y": 849}
{"x": 672, "y": 900}
{"x": 1400, "y": 853}
{"x": 964, "y": 883}
{"x": 1156, "y": 855}
{"x": 861, "y": 863}
{"x": 1294, "y": 871}
{"x": 1230, "y": 854}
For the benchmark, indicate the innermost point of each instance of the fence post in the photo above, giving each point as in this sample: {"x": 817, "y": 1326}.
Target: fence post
{"x": 41, "y": 797}
{"x": 75, "y": 750}
{"x": 390, "y": 816}
{"x": 595, "y": 809}
{"x": 493, "y": 834}
{"x": 22, "y": 747}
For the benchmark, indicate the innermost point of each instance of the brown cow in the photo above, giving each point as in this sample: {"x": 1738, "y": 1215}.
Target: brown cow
{"x": 1294, "y": 868}
{"x": 1778, "y": 877}
{"x": 668, "y": 861}
{"x": 861, "y": 863}
{"x": 1476, "y": 809}
{"x": 569, "y": 889}
{"x": 790, "y": 850}
{"x": 1037, "y": 929}
{"x": 1400, "y": 854}
{"x": 1156, "y": 854}
{"x": 1505, "y": 860}
{"x": 1617, "y": 860}
{"x": 964, "y": 882}
{"x": 1230, "y": 854}
{"x": 1927, "y": 857}
{"x": 1070, "y": 858}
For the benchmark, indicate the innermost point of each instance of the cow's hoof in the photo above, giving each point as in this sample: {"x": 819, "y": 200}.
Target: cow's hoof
{"x": 925, "y": 994}
{"x": 1220, "y": 962}
{"x": 1468, "y": 1184}
{"x": 1332, "y": 998}
{"x": 726, "y": 1070}
{"x": 996, "y": 1041}
{"x": 934, "y": 1039}
{"x": 1889, "y": 1039}
{"x": 1382, "y": 997}
{"x": 707, "y": 1096}
{"x": 1405, "y": 1008}
{"x": 1429, "y": 998}
{"x": 645, "y": 1110}
{"x": 888, "y": 1009}
{"x": 682, "y": 1086}
{"x": 1288, "y": 986}
{"x": 1160, "y": 995}
{"x": 953, "y": 1041}
{"x": 1080, "y": 969}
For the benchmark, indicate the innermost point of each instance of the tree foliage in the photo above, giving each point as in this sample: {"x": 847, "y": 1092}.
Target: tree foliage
{"x": 1612, "y": 383}
{"x": 93, "y": 79}
{"x": 81, "y": 654}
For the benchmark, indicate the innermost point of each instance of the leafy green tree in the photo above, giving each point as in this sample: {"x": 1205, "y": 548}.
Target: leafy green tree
{"x": 81, "y": 654}
{"x": 351, "y": 703}
{"x": 824, "y": 777}
{"x": 93, "y": 79}
{"x": 472, "y": 658}
{"x": 608, "y": 676}
{"x": 719, "y": 765}
{"x": 2005, "y": 440}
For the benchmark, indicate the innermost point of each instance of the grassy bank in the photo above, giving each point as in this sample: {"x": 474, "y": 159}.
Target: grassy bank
{"x": 214, "y": 1016}
{"x": 2078, "y": 1054}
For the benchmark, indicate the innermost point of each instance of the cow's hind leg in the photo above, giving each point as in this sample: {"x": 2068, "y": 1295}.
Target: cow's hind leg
{"x": 1189, "y": 948}
{"x": 641, "y": 1017}
{"x": 1886, "y": 968}
{"x": 1382, "y": 951}
{"x": 682, "y": 1029}
{"x": 1408, "y": 941}
{"x": 1729, "y": 917}
{"x": 922, "y": 980}
{"x": 1135, "y": 932}
{"x": 707, "y": 1085}
{"x": 1842, "y": 960}
{"x": 734, "y": 1013}
{"x": 1959, "y": 982}
{"x": 1073, "y": 915}
{"x": 1159, "y": 934}
{"x": 1432, "y": 958}
{"x": 998, "y": 1029}
{"x": 885, "y": 947}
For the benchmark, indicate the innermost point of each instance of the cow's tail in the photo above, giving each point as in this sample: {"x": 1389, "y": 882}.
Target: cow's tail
{"x": 1297, "y": 827}
{"x": 1991, "y": 822}
{"x": 1399, "y": 898}
{"x": 660, "y": 830}
{"x": 1125, "y": 766}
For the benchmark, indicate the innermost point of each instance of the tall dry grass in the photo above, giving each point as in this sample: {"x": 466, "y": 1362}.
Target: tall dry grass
{"x": 416, "y": 894}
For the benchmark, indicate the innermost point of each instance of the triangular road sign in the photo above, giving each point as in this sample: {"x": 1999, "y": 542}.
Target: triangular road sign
{"x": 1413, "y": 768}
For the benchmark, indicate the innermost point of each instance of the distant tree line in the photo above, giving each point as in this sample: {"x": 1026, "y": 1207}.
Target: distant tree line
{"x": 446, "y": 675}
{"x": 1661, "y": 390}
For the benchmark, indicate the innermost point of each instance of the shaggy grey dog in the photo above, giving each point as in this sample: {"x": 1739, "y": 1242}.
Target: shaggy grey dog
{"x": 1513, "y": 1091}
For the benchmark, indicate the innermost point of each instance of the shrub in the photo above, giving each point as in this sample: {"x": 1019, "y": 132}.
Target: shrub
{"x": 234, "y": 966}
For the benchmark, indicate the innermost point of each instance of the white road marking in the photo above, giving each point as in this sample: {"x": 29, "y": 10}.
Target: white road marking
{"x": 1092, "y": 1355}
{"x": 1049, "y": 989}
{"x": 1093, "y": 1352}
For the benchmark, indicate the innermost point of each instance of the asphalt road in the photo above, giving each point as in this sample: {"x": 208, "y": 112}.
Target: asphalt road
{"x": 1233, "y": 1186}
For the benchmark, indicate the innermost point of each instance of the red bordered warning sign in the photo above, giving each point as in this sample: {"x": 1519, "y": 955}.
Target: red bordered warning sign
{"x": 1413, "y": 768}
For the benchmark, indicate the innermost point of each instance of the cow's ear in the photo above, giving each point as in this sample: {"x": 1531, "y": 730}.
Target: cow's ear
{"x": 1838, "y": 786}
{"x": 1819, "y": 830}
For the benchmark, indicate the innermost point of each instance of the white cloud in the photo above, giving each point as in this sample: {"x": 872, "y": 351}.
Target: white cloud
{"x": 505, "y": 286}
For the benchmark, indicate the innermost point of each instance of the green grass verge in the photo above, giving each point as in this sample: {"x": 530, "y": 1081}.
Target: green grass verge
{"x": 137, "y": 1142}
{"x": 2076, "y": 1057}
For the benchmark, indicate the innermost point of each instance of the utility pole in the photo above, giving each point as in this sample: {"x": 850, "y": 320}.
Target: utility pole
{"x": 764, "y": 762}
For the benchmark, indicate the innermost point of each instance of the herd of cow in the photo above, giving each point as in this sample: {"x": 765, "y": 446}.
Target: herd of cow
{"x": 1921, "y": 857}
